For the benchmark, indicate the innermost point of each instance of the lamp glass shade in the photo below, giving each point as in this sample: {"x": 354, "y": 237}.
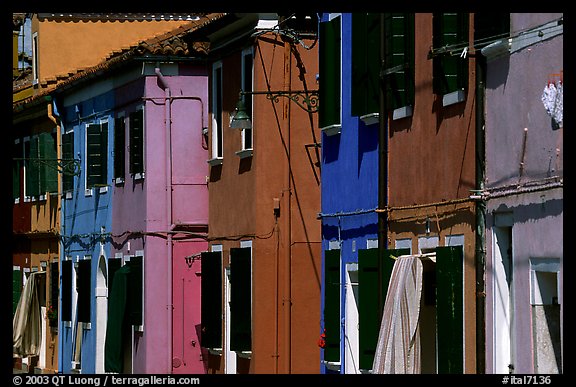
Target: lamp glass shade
{"x": 241, "y": 119}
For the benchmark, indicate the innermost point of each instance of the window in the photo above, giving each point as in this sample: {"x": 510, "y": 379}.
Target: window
{"x": 332, "y": 305}
{"x": 373, "y": 276}
{"x": 35, "y": 61}
{"x": 96, "y": 154}
{"x": 119, "y": 148}
{"x": 399, "y": 60}
{"x": 66, "y": 289}
{"x": 241, "y": 299}
{"x": 450, "y": 70}
{"x": 137, "y": 143}
{"x": 135, "y": 290}
{"x": 329, "y": 83}
{"x": 83, "y": 281}
{"x": 68, "y": 156}
{"x": 54, "y": 290}
{"x": 211, "y": 299}
{"x": 217, "y": 141}
{"x": 366, "y": 64}
{"x": 41, "y": 173}
{"x": 247, "y": 69}
{"x": 16, "y": 165}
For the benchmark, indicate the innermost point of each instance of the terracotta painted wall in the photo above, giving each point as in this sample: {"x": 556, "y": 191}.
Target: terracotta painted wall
{"x": 66, "y": 46}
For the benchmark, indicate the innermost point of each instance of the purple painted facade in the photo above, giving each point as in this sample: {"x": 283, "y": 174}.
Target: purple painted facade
{"x": 163, "y": 215}
{"x": 524, "y": 182}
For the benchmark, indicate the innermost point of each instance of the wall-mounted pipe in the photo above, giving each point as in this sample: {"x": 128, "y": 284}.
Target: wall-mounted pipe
{"x": 168, "y": 159}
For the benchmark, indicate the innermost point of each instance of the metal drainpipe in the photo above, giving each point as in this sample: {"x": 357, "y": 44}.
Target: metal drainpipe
{"x": 288, "y": 231}
{"x": 168, "y": 128}
{"x": 480, "y": 253}
{"x": 382, "y": 155}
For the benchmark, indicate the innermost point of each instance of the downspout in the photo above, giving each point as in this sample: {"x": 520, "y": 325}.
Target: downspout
{"x": 382, "y": 158}
{"x": 288, "y": 231}
{"x": 168, "y": 176}
{"x": 480, "y": 253}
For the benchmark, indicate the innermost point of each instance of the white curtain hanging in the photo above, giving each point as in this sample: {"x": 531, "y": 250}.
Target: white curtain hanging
{"x": 27, "y": 323}
{"x": 398, "y": 348}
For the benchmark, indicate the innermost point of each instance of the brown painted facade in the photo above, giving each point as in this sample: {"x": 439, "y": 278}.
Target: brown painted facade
{"x": 431, "y": 171}
{"x": 271, "y": 199}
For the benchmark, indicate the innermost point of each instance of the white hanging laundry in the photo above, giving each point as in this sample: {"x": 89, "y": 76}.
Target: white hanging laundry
{"x": 553, "y": 100}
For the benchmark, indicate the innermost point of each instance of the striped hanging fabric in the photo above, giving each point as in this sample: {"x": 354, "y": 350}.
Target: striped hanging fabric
{"x": 398, "y": 349}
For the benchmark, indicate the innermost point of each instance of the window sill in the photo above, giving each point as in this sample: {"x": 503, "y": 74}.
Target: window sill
{"x": 332, "y": 129}
{"x": 88, "y": 192}
{"x": 245, "y": 153}
{"x": 138, "y": 176}
{"x": 68, "y": 195}
{"x": 119, "y": 181}
{"x": 453, "y": 98}
{"x": 244, "y": 354}
{"x": 214, "y": 351}
{"x": 138, "y": 328}
{"x": 403, "y": 112}
{"x": 16, "y": 200}
{"x": 332, "y": 365}
{"x": 370, "y": 119}
{"x": 215, "y": 161}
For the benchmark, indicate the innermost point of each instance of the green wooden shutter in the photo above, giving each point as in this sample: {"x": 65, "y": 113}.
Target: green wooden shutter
{"x": 449, "y": 309}
{"x": 118, "y": 329}
{"x": 16, "y": 164}
{"x": 119, "y": 147}
{"x": 450, "y": 71}
{"x": 54, "y": 289}
{"x": 33, "y": 169}
{"x": 332, "y": 305}
{"x": 137, "y": 142}
{"x": 240, "y": 299}
{"x": 47, "y": 168}
{"x": 16, "y": 288}
{"x": 489, "y": 26}
{"x": 66, "y": 290}
{"x": 97, "y": 153}
{"x": 399, "y": 59}
{"x": 374, "y": 274}
{"x": 83, "y": 285}
{"x": 68, "y": 156}
{"x": 329, "y": 83}
{"x": 366, "y": 63}
{"x": 211, "y": 300}
{"x": 135, "y": 290}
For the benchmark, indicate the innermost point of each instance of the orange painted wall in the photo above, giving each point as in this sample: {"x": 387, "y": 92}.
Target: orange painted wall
{"x": 66, "y": 46}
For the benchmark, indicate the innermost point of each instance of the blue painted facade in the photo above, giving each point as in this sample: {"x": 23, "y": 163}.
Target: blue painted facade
{"x": 84, "y": 218}
{"x": 349, "y": 194}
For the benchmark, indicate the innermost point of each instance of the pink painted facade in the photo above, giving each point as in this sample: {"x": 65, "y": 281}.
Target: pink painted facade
{"x": 164, "y": 215}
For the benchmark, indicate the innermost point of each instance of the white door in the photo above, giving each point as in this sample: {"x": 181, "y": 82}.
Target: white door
{"x": 101, "y": 312}
{"x": 351, "y": 345}
{"x": 503, "y": 305}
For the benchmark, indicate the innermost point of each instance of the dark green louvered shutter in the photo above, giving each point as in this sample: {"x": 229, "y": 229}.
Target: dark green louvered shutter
{"x": 399, "y": 59}
{"x": 47, "y": 168}
{"x": 83, "y": 283}
{"x": 366, "y": 63}
{"x": 119, "y": 147}
{"x": 113, "y": 265}
{"x": 329, "y": 83}
{"x": 117, "y": 325}
{"x": 135, "y": 290}
{"x": 66, "y": 290}
{"x": 332, "y": 305}
{"x": 450, "y": 71}
{"x": 16, "y": 288}
{"x": 449, "y": 309}
{"x": 489, "y": 26}
{"x": 137, "y": 142}
{"x": 240, "y": 299}
{"x": 54, "y": 289}
{"x": 16, "y": 154}
{"x": 97, "y": 153}
{"x": 33, "y": 168}
{"x": 211, "y": 300}
{"x": 68, "y": 156}
{"x": 374, "y": 274}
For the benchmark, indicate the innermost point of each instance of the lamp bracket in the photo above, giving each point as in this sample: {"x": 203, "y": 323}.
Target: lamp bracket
{"x": 306, "y": 99}
{"x": 70, "y": 167}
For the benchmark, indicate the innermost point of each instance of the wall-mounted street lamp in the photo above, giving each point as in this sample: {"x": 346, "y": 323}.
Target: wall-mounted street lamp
{"x": 306, "y": 99}
{"x": 68, "y": 167}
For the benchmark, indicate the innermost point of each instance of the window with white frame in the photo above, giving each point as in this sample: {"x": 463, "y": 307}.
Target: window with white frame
{"x": 247, "y": 82}
{"x": 217, "y": 110}
{"x": 96, "y": 155}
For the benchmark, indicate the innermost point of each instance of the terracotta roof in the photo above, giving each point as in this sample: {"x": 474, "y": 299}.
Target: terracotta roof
{"x": 119, "y": 16}
{"x": 171, "y": 43}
